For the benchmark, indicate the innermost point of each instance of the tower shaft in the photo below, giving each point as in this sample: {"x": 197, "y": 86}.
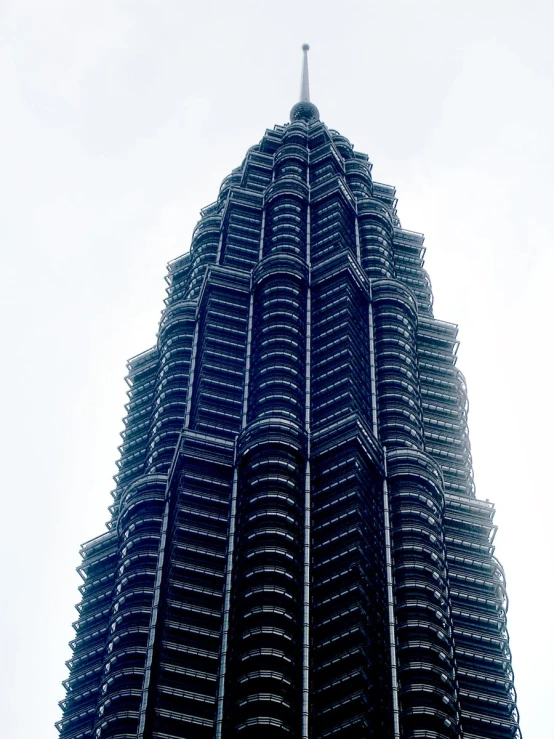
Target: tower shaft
{"x": 295, "y": 546}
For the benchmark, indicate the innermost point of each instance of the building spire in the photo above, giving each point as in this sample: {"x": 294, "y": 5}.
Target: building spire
{"x": 305, "y": 84}
{"x": 304, "y": 110}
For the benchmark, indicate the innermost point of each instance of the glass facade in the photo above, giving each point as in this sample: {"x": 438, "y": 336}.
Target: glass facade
{"x": 295, "y": 546}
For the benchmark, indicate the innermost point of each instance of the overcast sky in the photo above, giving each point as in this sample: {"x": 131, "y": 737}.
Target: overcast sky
{"x": 119, "y": 120}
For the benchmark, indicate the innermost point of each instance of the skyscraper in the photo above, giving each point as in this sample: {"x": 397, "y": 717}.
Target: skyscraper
{"x": 295, "y": 546}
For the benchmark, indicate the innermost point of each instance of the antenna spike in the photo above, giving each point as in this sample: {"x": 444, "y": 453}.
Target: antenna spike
{"x": 304, "y": 110}
{"x": 305, "y": 84}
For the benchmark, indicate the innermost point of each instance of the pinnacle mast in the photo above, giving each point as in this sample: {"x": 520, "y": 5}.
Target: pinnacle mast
{"x": 304, "y": 110}
{"x": 305, "y": 83}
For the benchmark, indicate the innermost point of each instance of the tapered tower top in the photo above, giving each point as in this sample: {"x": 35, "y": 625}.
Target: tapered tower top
{"x": 304, "y": 110}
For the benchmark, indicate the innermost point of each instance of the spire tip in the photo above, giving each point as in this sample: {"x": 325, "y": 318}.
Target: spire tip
{"x": 304, "y": 110}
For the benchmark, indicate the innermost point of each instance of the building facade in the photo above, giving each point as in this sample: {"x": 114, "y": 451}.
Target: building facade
{"x": 295, "y": 547}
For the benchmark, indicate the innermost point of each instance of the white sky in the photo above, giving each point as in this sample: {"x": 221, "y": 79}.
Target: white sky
{"x": 119, "y": 120}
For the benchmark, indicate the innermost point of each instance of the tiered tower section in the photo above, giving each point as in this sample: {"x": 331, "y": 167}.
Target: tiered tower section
{"x": 295, "y": 547}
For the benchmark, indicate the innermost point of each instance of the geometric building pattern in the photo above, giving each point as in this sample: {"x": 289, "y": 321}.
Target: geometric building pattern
{"x": 295, "y": 548}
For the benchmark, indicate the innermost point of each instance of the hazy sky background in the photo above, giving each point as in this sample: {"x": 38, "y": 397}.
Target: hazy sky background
{"x": 119, "y": 120}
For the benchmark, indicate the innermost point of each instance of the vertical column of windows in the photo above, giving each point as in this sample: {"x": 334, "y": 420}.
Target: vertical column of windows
{"x": 350, "y": 665}
{"x": 307, "y": 542}
{"x": 427, "y": 679}
{"x": 170, "y": 400}
{"x": 287, "y": 233}
{"x": 444, "y": 405}
{"x": 256, "y": 170}
{"x": 221, "y": 720}
{"x": 342, "y": 144}
{"x": 266, "y": 609}
{"x": 395, "y": 318}
{"x": 118, "y": 672}
{"x": 408, "y": 259}
{"x": 387, "y": 195}
{"x": 358, "y": 176}
{"x": 141, "y": 379}
{"x": 285, "y": 226}
{"x": 375, "y": 228}
{"x": 391, "y": 603}
{"x": 88, "y": 647}
{"x": 203, "y": 252}
{"x": 190, "y": 628}
{"x": 278, "y": 381}
{"x": 138, "y": 530}
{"x": 319, "y": 134}
{"x": 349, "y": 657}
{"x": 291, "y": 159}
{"x": 140, "y": 517}
{"x": 479, "y": 604}
{"x": 191, "y": 578}
{"x": 177, "y": 279}
{"x": 286, "y": 199}
{"x": 240, "y": 235}
{"x": 186, "y": 658}
{"x": 264, "y": 691}
{"x": 325, "y": 164}
{"x": 266, "y": 642}
{"x": 426, "y": 660}
{"x": 217, "y": 398}
{"x": 272, "y": 139}
{"x": 235, "y": 179}
{"x": 375, "y": 256}
{"x": 230, "y": 554}
{"x": 341, "y": 364}
{"x": 333, "y": 222}
{"x": 181, "y": 690}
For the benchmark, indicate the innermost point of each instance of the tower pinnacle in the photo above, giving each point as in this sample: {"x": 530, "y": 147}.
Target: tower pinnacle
{"x": 304, "y": 110}
{"x": 305, "y": 84}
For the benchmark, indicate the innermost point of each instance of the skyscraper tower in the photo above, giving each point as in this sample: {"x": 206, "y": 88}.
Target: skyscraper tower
{"x": 295, "y": 546}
